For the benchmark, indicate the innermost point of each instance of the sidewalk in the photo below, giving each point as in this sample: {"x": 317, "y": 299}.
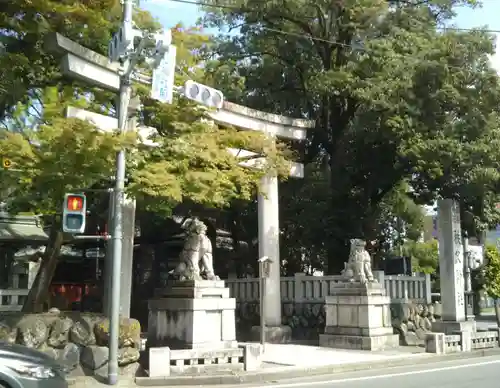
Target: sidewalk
{"x": 285, "y": 361}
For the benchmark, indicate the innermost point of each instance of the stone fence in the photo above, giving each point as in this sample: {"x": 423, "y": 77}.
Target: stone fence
{"x": 12, "y": 299}
{"x": 303, "y": 288}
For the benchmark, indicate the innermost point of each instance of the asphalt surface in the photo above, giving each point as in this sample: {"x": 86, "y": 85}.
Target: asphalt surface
{"x": 464, "y": 373}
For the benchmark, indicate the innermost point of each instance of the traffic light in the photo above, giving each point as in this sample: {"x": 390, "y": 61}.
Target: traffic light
{"x": 74, "y": 213}
{"x": 203, "y": 94}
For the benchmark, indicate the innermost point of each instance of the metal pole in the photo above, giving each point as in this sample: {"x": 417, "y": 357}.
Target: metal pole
{"x": 262, "y": 318}
{"x": 117, "y": 234}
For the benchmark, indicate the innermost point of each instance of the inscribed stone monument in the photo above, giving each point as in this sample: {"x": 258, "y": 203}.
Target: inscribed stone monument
{"x": 451, "y": 268}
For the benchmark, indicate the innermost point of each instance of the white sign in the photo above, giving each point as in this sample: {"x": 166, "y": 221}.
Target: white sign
{"x": 162, "y": 88}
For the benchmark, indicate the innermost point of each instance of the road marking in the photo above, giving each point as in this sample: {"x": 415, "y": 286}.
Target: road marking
{"x": 384, "y": 376}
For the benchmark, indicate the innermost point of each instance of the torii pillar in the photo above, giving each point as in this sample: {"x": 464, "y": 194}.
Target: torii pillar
{"x": 275, "y": 126}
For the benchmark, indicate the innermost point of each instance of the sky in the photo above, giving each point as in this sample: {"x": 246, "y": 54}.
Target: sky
{"x": 170, "y": 12}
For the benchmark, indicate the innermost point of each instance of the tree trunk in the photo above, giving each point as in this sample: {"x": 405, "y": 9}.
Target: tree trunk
{"x": 39, "y": 291}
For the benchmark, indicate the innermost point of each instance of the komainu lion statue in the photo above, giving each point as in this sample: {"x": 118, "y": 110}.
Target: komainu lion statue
{"x": 195, "y": 260}
{"x": 359, "y": 267}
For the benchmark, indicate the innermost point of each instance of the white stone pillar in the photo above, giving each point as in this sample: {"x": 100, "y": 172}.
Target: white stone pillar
{"x": 451, "y": 261}
{"x": 268, "y": 214}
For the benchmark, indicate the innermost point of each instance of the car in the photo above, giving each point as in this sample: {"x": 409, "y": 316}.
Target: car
{"x": 23, "y": 367}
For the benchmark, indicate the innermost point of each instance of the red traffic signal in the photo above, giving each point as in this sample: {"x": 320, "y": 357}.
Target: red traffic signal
{"x": 75, "y": 203}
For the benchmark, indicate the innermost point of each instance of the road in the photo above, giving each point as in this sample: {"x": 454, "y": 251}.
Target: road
{"x": 464, "y": 373}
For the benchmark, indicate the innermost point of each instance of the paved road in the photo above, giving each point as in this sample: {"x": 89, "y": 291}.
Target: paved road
{"x": 465, "y": 373}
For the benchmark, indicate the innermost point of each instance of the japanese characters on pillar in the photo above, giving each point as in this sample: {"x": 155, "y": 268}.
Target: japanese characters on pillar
{"x": 458, "y": 253}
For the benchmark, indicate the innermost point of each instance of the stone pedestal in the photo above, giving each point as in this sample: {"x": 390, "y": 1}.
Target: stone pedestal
{"x": 193, "y": 315}
{"x": 358, "y": 317}
{"x": 453, "y": 327}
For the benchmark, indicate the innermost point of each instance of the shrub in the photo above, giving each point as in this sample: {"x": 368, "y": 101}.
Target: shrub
{"x": 491, "y": 272}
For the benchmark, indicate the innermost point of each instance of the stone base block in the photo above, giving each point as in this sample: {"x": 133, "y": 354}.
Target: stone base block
{"x": 451, "y": 327}
{"x": 357, "y": 342}
{"x": 192, "y": 315}
{"x": 435, "y": 343}
{"x": 273, "y": 334}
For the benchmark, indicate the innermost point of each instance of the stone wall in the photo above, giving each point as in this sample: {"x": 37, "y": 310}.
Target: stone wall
{"x": 307, "y": 320}
{"x": 77, "y": 340}
{"x": 413, "y": 321}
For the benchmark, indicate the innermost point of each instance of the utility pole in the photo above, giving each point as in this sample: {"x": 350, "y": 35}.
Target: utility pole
{"x": 117, "y": 233}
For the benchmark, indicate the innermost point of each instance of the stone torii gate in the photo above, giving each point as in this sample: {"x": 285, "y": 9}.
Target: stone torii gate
{"x": 275, "y": 126}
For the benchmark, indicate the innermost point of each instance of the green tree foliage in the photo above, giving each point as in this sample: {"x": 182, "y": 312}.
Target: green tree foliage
{"x": 491, "y": 272}
{"x": 394, "y": 98}
{"x": 26, "y": 65}
{"x": 424, "y": 255}
{"x": 53, "y": 155}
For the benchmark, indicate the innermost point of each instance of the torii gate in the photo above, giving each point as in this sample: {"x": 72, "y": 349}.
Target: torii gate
{"x": 275, "y": 126}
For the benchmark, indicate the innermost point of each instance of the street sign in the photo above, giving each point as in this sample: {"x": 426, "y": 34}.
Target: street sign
{"x": 162, "y": 88}
{"x": 6, "y": 163}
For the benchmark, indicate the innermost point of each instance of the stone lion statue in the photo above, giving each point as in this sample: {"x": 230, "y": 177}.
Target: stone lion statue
{"x": 195, "y": 260}
{"x": 358, "y": 268}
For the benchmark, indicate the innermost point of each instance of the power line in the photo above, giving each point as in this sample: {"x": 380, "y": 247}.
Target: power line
{"x": 317, "y": 39}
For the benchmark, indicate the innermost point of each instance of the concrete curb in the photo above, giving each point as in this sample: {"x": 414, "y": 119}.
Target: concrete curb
{"x": 291, "y": 372}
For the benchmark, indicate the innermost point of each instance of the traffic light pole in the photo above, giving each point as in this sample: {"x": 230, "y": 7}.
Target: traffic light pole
{"x": 117, "y": 233}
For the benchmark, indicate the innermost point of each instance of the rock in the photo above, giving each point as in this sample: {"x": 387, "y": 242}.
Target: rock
{"x": 82, "y": 331}
{"x": 59, "y": 332}
{"x": 94, "y": 357}
{"x": 32, "y": 331}
{"x": 421, "y": 334}
{"x": 129, "y": 333}
{"x": 69, "y": 357}
{"x": 411, "y": 339}
{"x": 128, "y": 356}
{"x": 54, "y": 311}
{"x": 426, "y": 324}
{"x": 130, "y": 370}
{"x": 7, "y": 333}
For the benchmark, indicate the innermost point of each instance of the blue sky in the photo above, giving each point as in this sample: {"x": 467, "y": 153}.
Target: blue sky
{"x": 169, "y": 13}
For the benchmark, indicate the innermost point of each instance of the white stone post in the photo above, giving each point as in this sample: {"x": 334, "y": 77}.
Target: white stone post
{"x": 268, "y": 214}
{"x": 451, "y": 269}
{"x": 451, "y": 261}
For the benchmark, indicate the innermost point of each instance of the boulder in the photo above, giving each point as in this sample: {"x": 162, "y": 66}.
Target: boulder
{"x": 82, "y": 331}
{"x": 96, "y": 357}
{"x": 128, "y": 355}
{"x": 7, "y": 334}
{"x": 59, "y": 332}
{"x": 129, "y": 333}
{"x": 69, "y": 357}
{"x": 32, "y": 331}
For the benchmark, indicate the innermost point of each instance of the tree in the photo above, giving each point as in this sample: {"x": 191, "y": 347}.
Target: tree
{"x": 53, "y": 155}
{"x": 395, "y": 99}
{"x": 491, "y": 277}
